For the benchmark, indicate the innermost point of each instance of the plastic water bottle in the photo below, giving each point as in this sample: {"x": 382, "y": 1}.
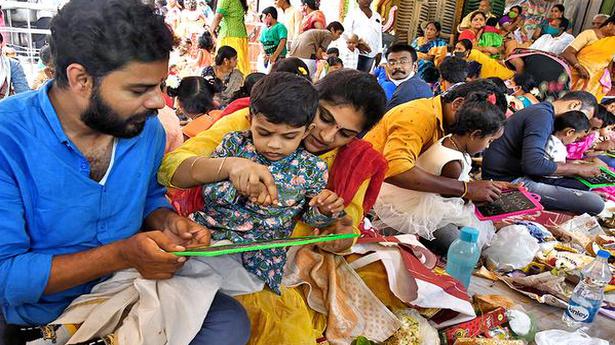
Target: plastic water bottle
{"x": 589, "y": 293}
{"x": 463, "y": 254}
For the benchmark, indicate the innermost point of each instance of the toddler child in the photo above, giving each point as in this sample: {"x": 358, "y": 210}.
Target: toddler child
{"x": 567, "y": 129}
{"x": 282, "y": 108}
{"x": 479, "y": 122}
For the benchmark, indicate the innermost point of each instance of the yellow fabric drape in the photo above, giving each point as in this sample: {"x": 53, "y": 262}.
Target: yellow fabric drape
{"x": 240, "y": 44}
{"x": 595, "y": 57}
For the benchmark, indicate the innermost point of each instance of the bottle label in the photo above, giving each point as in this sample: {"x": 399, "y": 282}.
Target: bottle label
{"x": 581, "y": 313}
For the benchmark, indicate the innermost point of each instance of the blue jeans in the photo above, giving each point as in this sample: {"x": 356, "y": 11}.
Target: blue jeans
{"x": 564, "y": 194}
{"x": 226, "y": 324}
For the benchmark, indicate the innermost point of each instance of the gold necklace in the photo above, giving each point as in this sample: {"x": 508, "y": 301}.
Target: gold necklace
{"x": 455, "y": 144}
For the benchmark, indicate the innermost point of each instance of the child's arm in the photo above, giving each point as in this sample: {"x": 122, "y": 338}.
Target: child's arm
{"x": 452, "y": 169}
{"x": 316, "y": 176}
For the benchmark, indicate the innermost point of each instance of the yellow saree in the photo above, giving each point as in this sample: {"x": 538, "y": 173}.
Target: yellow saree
{"x": 595, "y": 57}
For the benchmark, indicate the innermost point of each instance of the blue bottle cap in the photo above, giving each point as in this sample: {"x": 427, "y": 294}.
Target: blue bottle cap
{"x": 468, "y": 234}
{"x": 603, "y": 254}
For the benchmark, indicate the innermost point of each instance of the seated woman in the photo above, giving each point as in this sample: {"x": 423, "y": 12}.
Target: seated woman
{"x": 224, "y": 75}
{"x": 590, "y": 55}
{"x": 557, "y": 12}
{"x": 489, "y": 67}
{"x": 344, "y": 113}
{"x": 408, "y": 211}
{"x": 512, "y": 20}
{"x": 194, "y": 104}
{"x": 473, "y": 33}
{"x": 431, "y": 49}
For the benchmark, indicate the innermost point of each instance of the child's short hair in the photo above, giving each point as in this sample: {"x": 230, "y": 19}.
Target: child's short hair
{"x": 333, "y": 61}
{"x": 493, "y": 21}
{"x": 206, "y": 42}
{"x": 602, "y": 113}
{"x": 574, "y": 119}
{"x": 474, "y": 69}
{"x": 284, "y": 98}
{"x": 333, "y": 51}
{"x": 353, "y": 37}
{"x": 431, "y": 75}
{"x": 478, "y": 114}
{"x": 272, "y": 11}
{"x": 454, "y": 70}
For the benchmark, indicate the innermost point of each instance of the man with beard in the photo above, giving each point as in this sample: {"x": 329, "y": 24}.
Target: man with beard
{"x": 79, "y": 198}
{"x": 402, "y": 66}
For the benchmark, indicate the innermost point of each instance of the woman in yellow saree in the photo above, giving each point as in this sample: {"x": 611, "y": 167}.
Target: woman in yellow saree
{"x": 590, "y": 55}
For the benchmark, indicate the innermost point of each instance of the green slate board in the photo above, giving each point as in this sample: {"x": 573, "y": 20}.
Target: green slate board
{"x": 606, "y": 179}
{"x": 260, "y": 245}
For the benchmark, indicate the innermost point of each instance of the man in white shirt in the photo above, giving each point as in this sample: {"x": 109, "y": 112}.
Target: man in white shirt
{"x": 367, "y": 25}
{"x": 557, "y": 44}
{"x": 291, "y": 18}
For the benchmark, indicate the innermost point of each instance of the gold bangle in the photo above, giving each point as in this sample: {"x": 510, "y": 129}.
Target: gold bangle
{"x": 220, "y": 167}
{"x": 192, "y": 167}
{"x": 465, "y": 189}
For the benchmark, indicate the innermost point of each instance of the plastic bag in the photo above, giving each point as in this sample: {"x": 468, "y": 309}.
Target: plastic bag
{"x": 513, "y": 248}
{"x": 559, "y": 337}
{"x": 415, "y": 330}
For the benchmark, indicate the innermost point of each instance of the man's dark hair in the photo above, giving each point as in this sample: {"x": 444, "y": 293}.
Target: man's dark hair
{"x": 402, "y": 47}
{"x": 334, "y": 60}
{"x": 606, "y": 101}
{"x": 225, "y": 52}
{"x": 454, "y": 70}
{"x": 481, "y": 85}
{"x": 292, "y": 65}
{"x": 588, "y": 101}
{"x": 335, "y": 26}
{"x": 357, "y": 89}
{"x": 607, "y": 118}
{"x": 474, "y": 69}
{"x": 572, "y": 119}
{"x": 104, "y": 36}
{"x": 333, "y": 50}
{"x": 284, "y": 98}
{"x": 466, "y": 43}
{"x": 611, "y": 20}
{"x": 272, "y": 11}
{"x": 430, "y": 75}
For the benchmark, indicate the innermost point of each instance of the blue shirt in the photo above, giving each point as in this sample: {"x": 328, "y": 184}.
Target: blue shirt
{"x": 411, "y": 89}
{"x": 49, "y": 205}
{"x": 387, "y": 85}
{"x": 520, "y": 151}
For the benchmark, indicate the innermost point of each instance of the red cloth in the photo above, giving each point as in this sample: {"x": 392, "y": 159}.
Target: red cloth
{"x": 235, "y": 105}
{"x": 168, "y": 100}
{"x": 468, "y": 35}
{"x": 355, "y": 163}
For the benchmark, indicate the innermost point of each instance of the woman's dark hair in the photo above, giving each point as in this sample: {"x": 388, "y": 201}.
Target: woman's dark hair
{"x": 45, "y": 55}
{"x": 195, "y": 94}
{"x": 466, "y": 43}
{"x": 474, "y": 69}
{"x": 335, "y": 26}
{"x": 499, "y": 84}
{"x": 603, "y": 114}
{"x": 606, "y": 101}
{"x": 526, "y": 81}
{"x": 357, "y": 89}
{"x": 435, "y": 24}
{"x": 478, "y": 114}
{"x": 611, "y": 20}
{"x": 292, "y": 65}
{"x": 454, "y": 70}
{"x": 225, "y": 52}
{"x": 206, "y": 42}
{"x": 104, "y": 36}
{"x": 312, "y": 4}
{"x": 476, "y": 14}
{"x": 334, "y": 60}
{"x": 518, "y": 8}
{"x": 248, "y": 84}
{"x": 284, "y": 98}
{"x": 244, "y": 4}
{"x": 560, "y": 7}
{"x": 482, "y": 85}
{"x": 333, "y": 50}
{"x": 571, "y": 119}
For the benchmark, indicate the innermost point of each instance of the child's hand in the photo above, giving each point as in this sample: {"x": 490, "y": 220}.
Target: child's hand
{"x": 328, "y": 203}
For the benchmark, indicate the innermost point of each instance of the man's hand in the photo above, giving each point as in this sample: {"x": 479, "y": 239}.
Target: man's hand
{"x": 340, "y": 226}
{"x": 484, "y": 191}
{"x": 608, "y": 145}
{"x": 588, "y": 170}
{"x": 583, "y": 73}
{"x": 328, "y": 203}
{"x": 146, "y": 252}
{"x": 187, "y": 233}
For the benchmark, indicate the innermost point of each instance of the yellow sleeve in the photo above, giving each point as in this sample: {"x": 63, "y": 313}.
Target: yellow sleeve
{"x": 584, "y": 38}
{"x": 439, "y": 54}
{"x": 490, "y": 67}
{"x": 409, "y": 128}
{"x": 202, "y": 145}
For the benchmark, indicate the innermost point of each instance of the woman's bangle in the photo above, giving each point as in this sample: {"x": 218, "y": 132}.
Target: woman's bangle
{"x": 220, "y": 167}
{"x": 192, "y": 167}
{"x": 465, "y": 189}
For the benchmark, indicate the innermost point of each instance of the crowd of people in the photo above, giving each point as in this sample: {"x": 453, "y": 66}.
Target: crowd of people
{"x": 149, "y": 134}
